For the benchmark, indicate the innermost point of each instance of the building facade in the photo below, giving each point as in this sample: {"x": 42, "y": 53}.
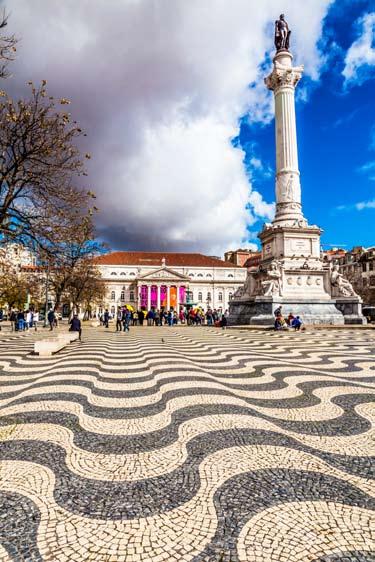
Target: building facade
{"x": 163, "y": 279}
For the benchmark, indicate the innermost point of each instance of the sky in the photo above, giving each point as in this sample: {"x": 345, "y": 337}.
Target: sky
{"x": 180, "y": 125}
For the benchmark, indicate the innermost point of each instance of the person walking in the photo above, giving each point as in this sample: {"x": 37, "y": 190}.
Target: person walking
{"x": 106, "y": 318}
{"x": 1, "y": 317}
{"x": 126, "y": 319}
{"x": 75, "y": 326}
{"x": 36, "y": 320}
{"x": 51, "y": 319}
{"x": 20, "y": 321}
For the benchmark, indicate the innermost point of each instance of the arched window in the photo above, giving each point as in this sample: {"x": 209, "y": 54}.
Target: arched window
{"x": 200, "y": 275}
{"x": 220, "y": 296}
{"x": 208, "y": 275}
{"x": 208, "y": 296}
{"x": 131, "y": 296}
{"x": 231, "y": 275}
{"x": 113, "y": 273}
{"x": 230, "y": 296}
{"x": 200, "y": 297}
{"x": 191, "y": 274}
{"x": 122, "y": 295}
{"x": 132, "y": 274}
{"x": 113, "y": 295}
{"x": 122, "y": 273}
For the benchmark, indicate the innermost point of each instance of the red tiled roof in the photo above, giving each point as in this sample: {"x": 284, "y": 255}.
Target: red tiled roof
{"x": 155, "y": 258}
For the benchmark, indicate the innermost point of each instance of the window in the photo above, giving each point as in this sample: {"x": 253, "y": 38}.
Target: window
{"x": 220, "y": 295}
{"x": 208, "y": 275}
{"x": 208, "y": 296}
{"x": 113, "y": 273}
{"x": 200, "y": 275}
{"x": 231, "y": 275}
{"x": 132, "y": 296}
{"x": 364, "y": 267}
{"x": 200, "y": 297}
{"x": 230, "y": 296}
{"x": 372, "y": 280}
{"x": 122, "y": 295}
{"x": 191, "y": 274}
{"x": 132, "y": 274}
{"x": 371, "y": 266}
{"x": 113, "y": 296}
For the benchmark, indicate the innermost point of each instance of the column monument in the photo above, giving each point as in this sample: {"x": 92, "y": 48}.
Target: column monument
{"x": 291, "y": 272}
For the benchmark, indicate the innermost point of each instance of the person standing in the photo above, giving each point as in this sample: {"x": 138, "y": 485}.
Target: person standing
{"x": 119, "y": 320}
{"x": 51, "y": 319}
{"x": 20, "y": 321}
{"x": 13, "y": 319}
{"x": 75, "y": 326}
{"x": 126, "y": 319}
{"x": 1, "y": 317}
{"x": 141, "y": 317}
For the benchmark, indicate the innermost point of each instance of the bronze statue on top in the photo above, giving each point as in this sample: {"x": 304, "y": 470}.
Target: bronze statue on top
{"x": 282, "y": 34}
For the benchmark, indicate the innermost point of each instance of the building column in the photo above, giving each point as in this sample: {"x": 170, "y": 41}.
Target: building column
{"x": 178, "y": 299}
{"x": 148, "y": 297}
{"x": 168, "y": 297}
{"x": 158, "y": 298}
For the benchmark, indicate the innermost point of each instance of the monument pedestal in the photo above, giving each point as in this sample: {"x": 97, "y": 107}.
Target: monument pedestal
{"x": 259, "y": 311}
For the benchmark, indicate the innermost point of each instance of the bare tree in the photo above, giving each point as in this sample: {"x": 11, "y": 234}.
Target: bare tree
{"x": 7, "y": 47}
{"x": 40, "y": 166}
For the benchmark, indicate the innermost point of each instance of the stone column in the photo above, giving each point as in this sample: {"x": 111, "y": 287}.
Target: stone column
{"x": 158, "y": 298}
{"x": 177, "y": 299}
{"x": 283, "y": 80}
{"x": 148, "y": 297}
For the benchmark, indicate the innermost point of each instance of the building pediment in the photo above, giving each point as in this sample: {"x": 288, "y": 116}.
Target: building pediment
{"x": 164, "y": 273}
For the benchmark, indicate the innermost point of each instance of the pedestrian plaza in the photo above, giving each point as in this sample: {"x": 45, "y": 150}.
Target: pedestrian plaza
{"x": 188, "y": 444}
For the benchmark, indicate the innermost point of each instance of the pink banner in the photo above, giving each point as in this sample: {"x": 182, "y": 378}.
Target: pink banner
{"x": 143, "y": 296}
{"x": 182, "y": 294}
{"x": 163, "y": 296}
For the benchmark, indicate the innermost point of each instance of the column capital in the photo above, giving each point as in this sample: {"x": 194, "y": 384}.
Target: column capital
{"x": 283, "y": 76}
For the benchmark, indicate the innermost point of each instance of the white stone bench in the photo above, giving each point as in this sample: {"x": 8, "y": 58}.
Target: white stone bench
{"x": 46, "y": 347}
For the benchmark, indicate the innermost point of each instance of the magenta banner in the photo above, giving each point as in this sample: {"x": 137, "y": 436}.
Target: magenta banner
{"x": 154, "y": 296}
{"x": 143, "y": 296}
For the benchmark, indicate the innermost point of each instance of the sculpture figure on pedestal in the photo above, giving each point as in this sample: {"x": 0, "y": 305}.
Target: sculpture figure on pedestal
{"x": 343, "y": 286}
{"x": 272, "y": 284}
{"x": 282, "y": 34}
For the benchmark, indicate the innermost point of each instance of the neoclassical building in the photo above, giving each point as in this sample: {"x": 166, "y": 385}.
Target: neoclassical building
{"x": 164, "y": 279}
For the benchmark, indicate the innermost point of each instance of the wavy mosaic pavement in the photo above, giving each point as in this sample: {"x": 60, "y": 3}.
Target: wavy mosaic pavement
{"x": 189, "y": 444}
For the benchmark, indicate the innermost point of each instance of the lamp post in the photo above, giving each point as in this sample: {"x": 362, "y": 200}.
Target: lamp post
{"x": 46, "y": 296}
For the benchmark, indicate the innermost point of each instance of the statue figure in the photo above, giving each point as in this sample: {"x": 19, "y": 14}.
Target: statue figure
{"x": 282, "y": 34}
{"x": 344, "y": 287}
{"x": 272, "y": 284}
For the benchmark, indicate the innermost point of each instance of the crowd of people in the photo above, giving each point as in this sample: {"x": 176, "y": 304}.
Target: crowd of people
{"x": 126, "y": 316}
{"x": 22, "y": 320}
{"x": 291, "y": 321}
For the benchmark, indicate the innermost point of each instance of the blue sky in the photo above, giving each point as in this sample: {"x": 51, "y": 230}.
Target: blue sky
{"x": 336, "y": 136}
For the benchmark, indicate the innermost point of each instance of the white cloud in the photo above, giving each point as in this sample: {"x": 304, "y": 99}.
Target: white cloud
{"x": 360, "y": 57}
{"x": 365, "y": 205}
{"x": 159, "y": 87}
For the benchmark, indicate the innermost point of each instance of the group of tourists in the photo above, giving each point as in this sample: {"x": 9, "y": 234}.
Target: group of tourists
{"x": 126, "y": 316}
{"x": 291, "y": 321}
{"x": 22, "y": 320}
